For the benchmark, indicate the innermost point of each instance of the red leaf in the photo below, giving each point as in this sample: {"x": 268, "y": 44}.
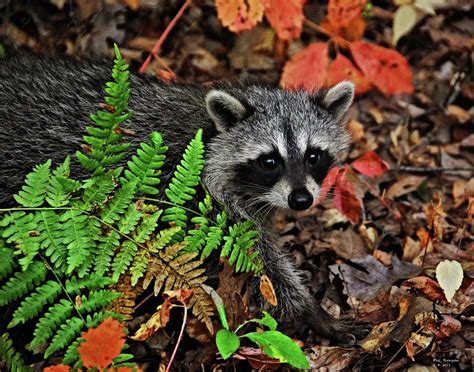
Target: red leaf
{"x": 343, "y": 69}
{"x": 385, "y": 68}
{"x": 57, "y": 368}
{"x": 285, "y": 16}
{"x": 102, "y": 344}
{"x": 370, "y": 165}
{"x": 342, "y": 12}
{"x": 239, "y": 15}
{"x": 328, "y": 183}
{"x": 345, "y": 198}
{"x": 307, "y": 69}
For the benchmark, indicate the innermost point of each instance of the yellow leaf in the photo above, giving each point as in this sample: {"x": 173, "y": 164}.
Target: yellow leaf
{"x": 429, "y": 5}
{"x": 449, "y": 275}
{"x": 403, "y": 21}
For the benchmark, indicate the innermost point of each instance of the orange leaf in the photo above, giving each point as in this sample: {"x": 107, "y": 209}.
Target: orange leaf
{"x": 285, "y": 16}
{"x": 345, "y": 199}
{"x": 57, "y": 368}
{"x": 102, "y": 344}
{"x": 343, "y": 69}
{"x": 307, "y": 69}
{"x": 387, "y": 69}
{"x": 239, "y": 15}
{"x": 328, "y": 183}
{"x": 341, "y": 13}
{"x": 428, "y": 287}
{"x": 370, "y": 165}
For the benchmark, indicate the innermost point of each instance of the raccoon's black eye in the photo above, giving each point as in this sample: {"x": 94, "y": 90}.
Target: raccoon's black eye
{"x": 269, "y": 162}
{"x": 313, "y": 158}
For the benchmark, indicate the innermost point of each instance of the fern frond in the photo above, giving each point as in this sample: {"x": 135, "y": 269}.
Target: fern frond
{"x": 33, "y": 193}
{"x": 51, "y": 238}
{"x": 124, "y": 258}
{"x": 67, "y": 332}
{"x": 97, "y": 300}
{"x": 185, "y": 178}
{"x": 49, "y": 323}
{"x": 32, "y": 305}
{"x": 237, "y": 244}
{"x": 7, "y": 264}
{"x": 119, "y": 203}
{"x": 162, "y": 239}
{"x": 91, "y": 282}
{"x": 187, "y": 174}
{"x": 145, "y": 166}
{"x": 171, "y": 271}
{"x": 57, "y": 195}
{"x": 214, "y": 236}
{"x": 22, "y": 282}
{"x": 146, "y": 227}
{"x": 129, "y": 220}
{"x": 18, "y": 229}
{"x": 105, "y": 250}
{"x": 138, "y": 268}
{"x": 13, "y": 360}
{"x": 76, "y": 238}
{"x": 97, "y": 190}
{"x": 104, "y": 139}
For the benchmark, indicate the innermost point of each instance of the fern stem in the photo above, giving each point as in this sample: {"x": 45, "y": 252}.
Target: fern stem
{"x": 19, "y": 209}
{"x": 185, "y": 315}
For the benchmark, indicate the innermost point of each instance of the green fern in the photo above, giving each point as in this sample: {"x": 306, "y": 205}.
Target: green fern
{"x": 34, "y": 303}
{"x": 104, "y": 139}
{"x": 13, "y": 359}
{"x": 185, "y": 178}
{"x": 51, "y": 238}
{"x": 145, "y": 166}
{"x": 19, "y": 228}
{"x": 22, "y": 282}
{"x": 237, "y": 244}
{"x": 57, "y": 194}
{"x": 33, "y": 193}
{"x": 7, "y": 264}
{"x": 50, "y": 322}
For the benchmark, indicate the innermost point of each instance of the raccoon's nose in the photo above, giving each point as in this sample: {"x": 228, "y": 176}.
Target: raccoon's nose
{"x": 300, "y": 200}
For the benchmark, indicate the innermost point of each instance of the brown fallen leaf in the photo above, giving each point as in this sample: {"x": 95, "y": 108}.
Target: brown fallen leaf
{"x": 267, "y": 290}
{"x": 378, "y": 337}
{"x": 404, "y": 186}
{"x": 426, "y": 286}
{"x": 332, "y": 358}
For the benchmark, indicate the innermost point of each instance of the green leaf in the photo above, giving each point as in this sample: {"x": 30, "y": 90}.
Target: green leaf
{"x": 279, "y": 346}
{"x": 267, "y": 321}
{"x": 227, "y": 342}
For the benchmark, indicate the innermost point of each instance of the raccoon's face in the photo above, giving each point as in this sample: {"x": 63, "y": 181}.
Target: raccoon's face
{"x": 274, "y": 147}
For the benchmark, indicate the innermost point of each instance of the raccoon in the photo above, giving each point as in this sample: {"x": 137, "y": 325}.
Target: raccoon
{"x": 267, "y": 149}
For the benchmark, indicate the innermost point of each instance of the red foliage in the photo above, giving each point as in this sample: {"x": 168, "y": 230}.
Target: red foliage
{"x": 285, "y": 16}
{"x": 387, "y": 69}
{"x": 345, "y": 198}
{"x": 239, "y": 15}
{"x": 370, "y": 165}
{"x": 343, "y": 69}
{"x": 341, "y": 13}
{"x": 307, "y": 69}
{"x": 57, "y": 368}
{"x": 102, "y": 344}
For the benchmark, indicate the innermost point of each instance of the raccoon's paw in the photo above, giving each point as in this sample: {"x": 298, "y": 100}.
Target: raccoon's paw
{"x": 343, "y": 331}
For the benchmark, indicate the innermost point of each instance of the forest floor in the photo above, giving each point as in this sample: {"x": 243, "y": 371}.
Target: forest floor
{"x": 420, "y": 212}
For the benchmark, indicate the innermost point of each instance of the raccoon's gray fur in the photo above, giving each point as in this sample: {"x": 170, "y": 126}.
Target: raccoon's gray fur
{"x": 266, "y": 148}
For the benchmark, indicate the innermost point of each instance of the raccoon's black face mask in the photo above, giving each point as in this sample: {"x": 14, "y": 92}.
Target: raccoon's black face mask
{"x": 274, "y": 147}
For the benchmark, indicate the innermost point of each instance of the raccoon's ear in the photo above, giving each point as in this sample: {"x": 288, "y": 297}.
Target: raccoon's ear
{"x": 224, "y": 109}
{"x": 339, "y": 98}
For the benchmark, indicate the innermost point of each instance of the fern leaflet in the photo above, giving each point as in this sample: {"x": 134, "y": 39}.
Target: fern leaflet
{"x": 33, "y": 193}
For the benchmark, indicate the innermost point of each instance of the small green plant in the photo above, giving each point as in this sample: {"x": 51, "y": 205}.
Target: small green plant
{"x": 272, "y": 342}
{"x": 69, "y": 243}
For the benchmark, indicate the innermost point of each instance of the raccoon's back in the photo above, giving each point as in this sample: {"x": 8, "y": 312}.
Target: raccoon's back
{"x": 45, "y": 106}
